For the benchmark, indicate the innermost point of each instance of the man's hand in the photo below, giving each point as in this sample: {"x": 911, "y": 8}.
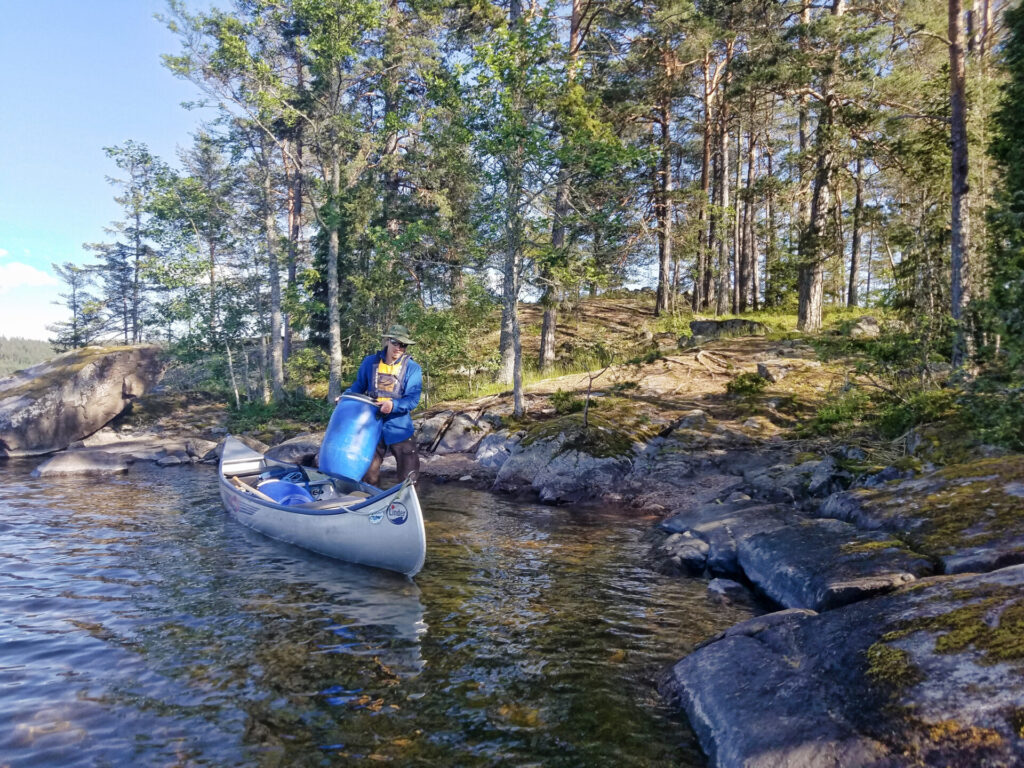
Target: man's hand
{"x": 386, "y": 406}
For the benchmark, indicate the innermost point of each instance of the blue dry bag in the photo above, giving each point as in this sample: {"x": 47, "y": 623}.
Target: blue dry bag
{"x": 352, "y": 436}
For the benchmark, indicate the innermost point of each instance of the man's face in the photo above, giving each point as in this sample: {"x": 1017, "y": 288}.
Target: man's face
{"x": 395, "y": 349}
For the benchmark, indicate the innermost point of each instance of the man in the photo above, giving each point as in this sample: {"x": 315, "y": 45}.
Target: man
{"x": 396, "y": 381}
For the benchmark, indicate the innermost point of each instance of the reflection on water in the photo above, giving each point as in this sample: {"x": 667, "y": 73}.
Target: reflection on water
{"x": 141, "y": 625}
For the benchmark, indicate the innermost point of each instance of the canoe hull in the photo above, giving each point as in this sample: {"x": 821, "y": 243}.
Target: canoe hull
{"x": 383, "y": 531}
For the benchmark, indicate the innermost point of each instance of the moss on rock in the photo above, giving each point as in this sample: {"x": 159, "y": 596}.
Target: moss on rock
{"x": 891, "y": 668}
{"x": 611, "y": 431}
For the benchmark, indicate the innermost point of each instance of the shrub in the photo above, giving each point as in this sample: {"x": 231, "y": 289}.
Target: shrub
{"x": 746, "y": 385}
{"x": 897, "y": 416}
{"x": 566, "y": 402}
{"x": 850, "y": 407}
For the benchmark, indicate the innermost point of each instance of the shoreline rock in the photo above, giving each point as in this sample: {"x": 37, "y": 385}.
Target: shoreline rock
{"x": 798, "y": 688}
{"x": 47, "y": 407}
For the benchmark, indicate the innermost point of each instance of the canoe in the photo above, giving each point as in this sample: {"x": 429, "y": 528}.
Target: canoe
{"x": 329, "y": 514}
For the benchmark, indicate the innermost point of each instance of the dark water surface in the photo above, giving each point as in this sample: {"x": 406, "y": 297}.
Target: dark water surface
{"x": 139, "y": 625}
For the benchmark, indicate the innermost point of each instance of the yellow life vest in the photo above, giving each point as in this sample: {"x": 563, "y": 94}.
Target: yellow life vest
{"x": 388, "y": 379}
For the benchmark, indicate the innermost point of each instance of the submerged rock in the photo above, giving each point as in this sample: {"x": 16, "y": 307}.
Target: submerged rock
{"x": 684, "y": 553}
{"x": 83, "y": 462}
{"x": 729, "y": 592}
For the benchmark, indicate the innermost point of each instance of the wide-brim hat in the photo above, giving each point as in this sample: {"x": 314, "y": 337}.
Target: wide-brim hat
{"x": 399, "y": 333}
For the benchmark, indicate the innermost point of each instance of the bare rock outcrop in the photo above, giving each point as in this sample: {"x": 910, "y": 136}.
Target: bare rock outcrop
{"x": 923, "y": 676}
{"x": 47, "y": 407}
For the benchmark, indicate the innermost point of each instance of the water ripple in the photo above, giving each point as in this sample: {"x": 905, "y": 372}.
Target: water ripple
{"x": 140, "y": 625}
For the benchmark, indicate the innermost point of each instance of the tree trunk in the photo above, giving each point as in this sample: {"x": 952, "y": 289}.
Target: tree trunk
{"x": 549, "y": 300}
{"x": 722, "y": 305}
{"x": 802, "y": 132}
{"x": 137, "y": 279}
{"x": 663, "y": 209}
{"x": 750, "y": 225}
{"x": 960, "y": 294}
{"x": 270, "y": 235}
{"x": 391, "y": 85}
{"x": 737, "y": 232}
{"x": 702, "y": 274}
{"x": 813, "y": 243}
{"x": 333, "y": 303}
{"x": 231, "y": 374}
{"x": 858, "y": 215}
{"x": 748, "y": 265}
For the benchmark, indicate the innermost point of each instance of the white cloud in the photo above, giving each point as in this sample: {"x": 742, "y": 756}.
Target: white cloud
{"x": 3, "y": 253}
{"x": 18, "y": 275}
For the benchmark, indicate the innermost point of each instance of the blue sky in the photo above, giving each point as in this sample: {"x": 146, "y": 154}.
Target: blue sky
{"x": 75, "y": 76}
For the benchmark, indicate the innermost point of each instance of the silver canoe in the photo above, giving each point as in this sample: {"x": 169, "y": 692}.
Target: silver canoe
{"x": 343, "y": 518}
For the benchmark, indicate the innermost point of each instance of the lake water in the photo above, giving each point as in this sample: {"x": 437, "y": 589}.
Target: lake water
{"x": 140, "y": 625}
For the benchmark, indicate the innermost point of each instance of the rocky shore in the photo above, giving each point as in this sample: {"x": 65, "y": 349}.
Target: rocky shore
{"x": 897, "y": 637}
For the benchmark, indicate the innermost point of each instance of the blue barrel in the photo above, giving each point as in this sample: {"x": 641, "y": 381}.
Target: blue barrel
{"x": 352, "y": 436}
{"x": 284, "y": 492}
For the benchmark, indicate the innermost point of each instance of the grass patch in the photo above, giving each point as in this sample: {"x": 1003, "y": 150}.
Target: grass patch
{"x": 837, "y": 415}
{"x": 865, "y": 547}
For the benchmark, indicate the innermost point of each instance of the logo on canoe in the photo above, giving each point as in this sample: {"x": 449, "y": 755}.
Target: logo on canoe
{"x": 397, "y": 513}
{"x": 376, "y": 516}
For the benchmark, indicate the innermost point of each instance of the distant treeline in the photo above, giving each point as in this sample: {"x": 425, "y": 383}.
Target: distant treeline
{"x": 16, "y": 354}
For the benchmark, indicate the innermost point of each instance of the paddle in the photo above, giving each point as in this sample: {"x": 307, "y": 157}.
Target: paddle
{"x": 246, "y": 488}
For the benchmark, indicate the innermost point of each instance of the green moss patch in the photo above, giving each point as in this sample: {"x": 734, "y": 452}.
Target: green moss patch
{"x": 1016, "y": 721}
{"x": 961, "y": 506}
{"x": 858, "y": 547}
{"x": 60, "y": 369}
{"x": 992, "y": 626}
{"x": 891, "y": 668}
{"x": 611, "y": 431}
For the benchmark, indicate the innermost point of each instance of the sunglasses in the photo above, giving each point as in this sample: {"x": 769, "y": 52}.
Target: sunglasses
{"x": 397, "y": 343}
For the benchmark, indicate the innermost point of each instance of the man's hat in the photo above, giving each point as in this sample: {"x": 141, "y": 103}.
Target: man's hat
{"x": 399, "y": 333}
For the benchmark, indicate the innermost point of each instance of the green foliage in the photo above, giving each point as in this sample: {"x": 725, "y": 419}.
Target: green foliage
{"x": 1004, "y": 309}
{"x": 993, "y": 407}
{"x": 922, "y": 406}
{"x": 746, "y": 384}
{"x": 290, "y": 416}
{"x": 195, "y": 369}
{"x": 566, "y": 402}
{"x": 16, "y": 353}
{"x": 307, "y": 365}
{"x": 839, "y": 413}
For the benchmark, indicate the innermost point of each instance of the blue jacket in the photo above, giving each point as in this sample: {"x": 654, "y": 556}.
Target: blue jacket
{"x": 397, "y": 424}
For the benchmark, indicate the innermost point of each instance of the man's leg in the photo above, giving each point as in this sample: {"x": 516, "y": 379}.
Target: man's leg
{"x": 372, "y": 475}
{"x": 406, "y": 457}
